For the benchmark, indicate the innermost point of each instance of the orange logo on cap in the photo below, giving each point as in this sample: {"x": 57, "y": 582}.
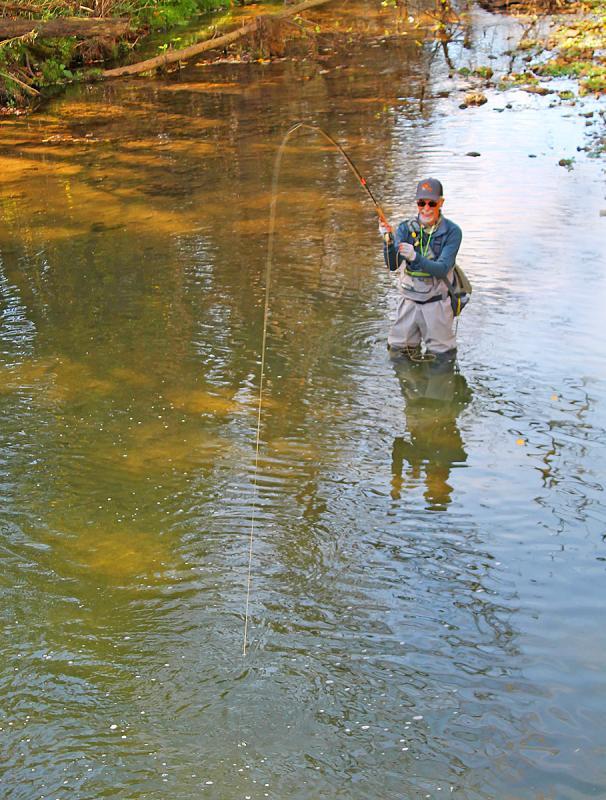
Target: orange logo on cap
{"x": 427, "y": 187}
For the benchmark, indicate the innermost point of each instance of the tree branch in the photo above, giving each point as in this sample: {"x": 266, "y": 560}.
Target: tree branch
{"x": 186, "y": 53}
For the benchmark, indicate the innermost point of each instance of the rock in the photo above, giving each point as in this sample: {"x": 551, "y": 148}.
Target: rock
{"x": 473, "y": 153}
{"x": 475, "y": 99}
{"x": 463, "y": 105}
{"x": 508, "y": 105}
{"x": 531, "y": 155}
{"x": 484, "y": 72}
{"x": 542, "y": 90}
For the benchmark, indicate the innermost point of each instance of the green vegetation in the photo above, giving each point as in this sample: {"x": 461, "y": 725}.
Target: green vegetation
{"x": 579, "y": 48}
{"x": 484, "y": 72}
{"x": 30, "y": 63}
{"x": 164, "y": 14}
{"x": 518, "y": 80}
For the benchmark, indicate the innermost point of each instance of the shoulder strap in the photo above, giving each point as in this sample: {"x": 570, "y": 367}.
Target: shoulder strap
{"x": 413, "y": 226}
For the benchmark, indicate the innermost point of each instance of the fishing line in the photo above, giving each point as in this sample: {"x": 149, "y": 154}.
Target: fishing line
{"x": 268, "y": 266}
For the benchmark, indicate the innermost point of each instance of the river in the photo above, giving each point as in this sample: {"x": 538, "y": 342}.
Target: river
{"x": 428, "y": 563}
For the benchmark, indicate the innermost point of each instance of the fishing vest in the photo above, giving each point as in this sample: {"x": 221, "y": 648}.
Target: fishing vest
{"x": 417, "y": 285}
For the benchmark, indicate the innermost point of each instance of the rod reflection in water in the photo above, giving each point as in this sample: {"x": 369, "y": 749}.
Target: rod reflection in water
{"x": 435, "y": 393}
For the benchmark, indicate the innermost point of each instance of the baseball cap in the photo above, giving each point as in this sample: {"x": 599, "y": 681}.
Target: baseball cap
{"x": 429, "y": 189}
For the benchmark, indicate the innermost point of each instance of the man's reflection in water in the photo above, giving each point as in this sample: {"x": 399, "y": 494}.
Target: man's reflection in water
{"x": 435, "y": 394}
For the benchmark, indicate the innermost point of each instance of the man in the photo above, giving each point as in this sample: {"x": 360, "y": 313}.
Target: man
{"x": 425, "y": 248}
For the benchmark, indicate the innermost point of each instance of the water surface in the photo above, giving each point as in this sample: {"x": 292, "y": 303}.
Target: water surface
{"x": 428, "y": 565}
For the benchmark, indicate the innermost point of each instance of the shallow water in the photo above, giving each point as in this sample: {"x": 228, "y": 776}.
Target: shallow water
{"x": 428, "y": 563}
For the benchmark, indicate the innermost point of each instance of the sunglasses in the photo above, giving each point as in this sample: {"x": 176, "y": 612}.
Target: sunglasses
{"x": 430, "y": 203}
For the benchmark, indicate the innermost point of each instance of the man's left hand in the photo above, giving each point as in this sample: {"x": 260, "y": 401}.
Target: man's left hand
{"x": 408, "y": 251}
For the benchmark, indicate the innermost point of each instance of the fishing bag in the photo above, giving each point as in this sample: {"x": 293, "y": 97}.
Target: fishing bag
{"x": 459, "y": 290}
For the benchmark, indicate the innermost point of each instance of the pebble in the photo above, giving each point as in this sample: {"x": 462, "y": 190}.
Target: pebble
{"x": 473, "y": 154}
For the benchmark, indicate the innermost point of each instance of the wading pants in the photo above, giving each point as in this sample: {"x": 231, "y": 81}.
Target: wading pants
{"x": 431, "y": 323}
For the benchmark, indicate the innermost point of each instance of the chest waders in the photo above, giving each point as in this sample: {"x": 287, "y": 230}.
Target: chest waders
{"x": 459, "y": 289}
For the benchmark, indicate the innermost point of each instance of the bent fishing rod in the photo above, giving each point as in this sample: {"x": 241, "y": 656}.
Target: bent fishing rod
{"x": 361, "y": 179}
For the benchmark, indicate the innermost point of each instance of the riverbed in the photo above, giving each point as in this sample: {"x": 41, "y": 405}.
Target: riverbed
{"x": 428, "y": 561}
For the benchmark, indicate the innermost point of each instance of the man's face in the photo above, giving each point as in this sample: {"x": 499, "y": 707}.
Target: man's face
{"x": 429, "y": 210}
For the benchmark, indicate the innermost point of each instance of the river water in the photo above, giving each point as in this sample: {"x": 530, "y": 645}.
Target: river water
{"x": 427, "y": 596}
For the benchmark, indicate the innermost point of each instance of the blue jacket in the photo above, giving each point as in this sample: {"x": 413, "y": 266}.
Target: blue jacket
{"x": 444, "y": 243}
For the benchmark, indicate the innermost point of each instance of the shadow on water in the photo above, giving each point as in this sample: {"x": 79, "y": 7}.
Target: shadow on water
{"x": 436, "y": 393}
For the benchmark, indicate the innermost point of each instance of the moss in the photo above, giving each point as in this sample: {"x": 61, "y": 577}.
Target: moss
{"x": 591, "y": 75}
{"x": 595, "y": 83}
{"x": 518, "y": 80}
{"x": 484, "y": 72}
{"x": 579, "y": 49}
{"x": 528, "y": 44}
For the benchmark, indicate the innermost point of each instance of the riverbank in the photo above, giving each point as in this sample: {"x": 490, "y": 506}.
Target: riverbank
{"x": 47, "y": 44}
{"x": 32, "y": 67}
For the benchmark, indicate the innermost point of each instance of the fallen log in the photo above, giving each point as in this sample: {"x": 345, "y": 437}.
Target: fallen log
{"x": 173, "y": 56}
{"x": 81, "y": 28}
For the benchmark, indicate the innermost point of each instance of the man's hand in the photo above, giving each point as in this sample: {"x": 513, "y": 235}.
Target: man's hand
{"x": 383, "y": 229}
{"x": 408, "y": 251}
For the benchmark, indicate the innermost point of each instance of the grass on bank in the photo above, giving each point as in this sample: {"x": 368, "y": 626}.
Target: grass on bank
{"x": 577, "y": 47}
{"x": 29, "y": 63}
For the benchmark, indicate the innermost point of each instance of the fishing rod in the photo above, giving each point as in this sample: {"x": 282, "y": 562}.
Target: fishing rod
{"x": 270, "y": 245}
{"x": 361, "y": 179}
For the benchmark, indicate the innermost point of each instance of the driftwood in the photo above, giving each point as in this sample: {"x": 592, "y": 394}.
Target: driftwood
{"x": 173, "y": 56}
{"x": 82, "y": 28}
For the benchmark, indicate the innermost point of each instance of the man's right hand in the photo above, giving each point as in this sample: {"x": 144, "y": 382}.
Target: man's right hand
{"x": 408, "y": 251}
{"x": 384, "y": 230}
